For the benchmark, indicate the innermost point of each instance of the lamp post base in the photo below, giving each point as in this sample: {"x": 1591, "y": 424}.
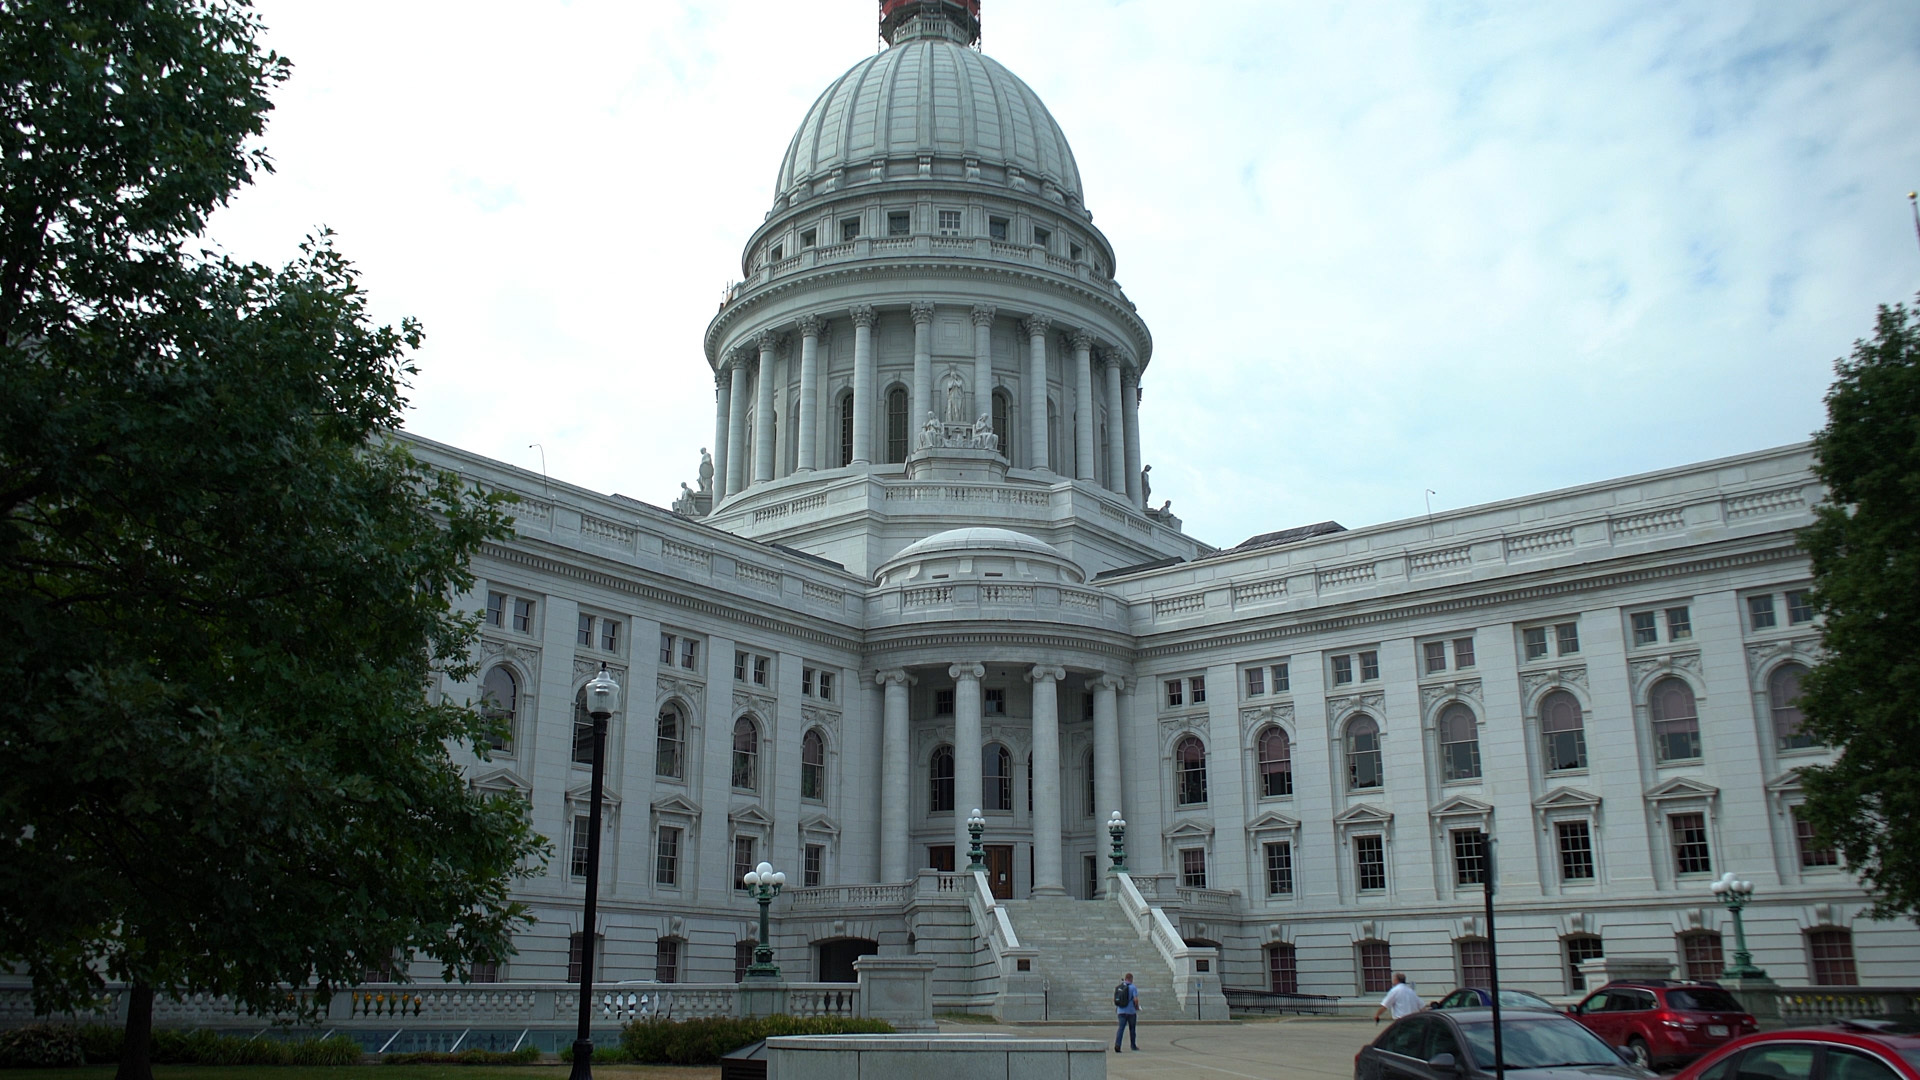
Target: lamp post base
{"x": 582, "y": 1060}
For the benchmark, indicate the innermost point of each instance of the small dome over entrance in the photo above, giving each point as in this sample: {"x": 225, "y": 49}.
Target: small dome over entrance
{"x": 980, "y": 552}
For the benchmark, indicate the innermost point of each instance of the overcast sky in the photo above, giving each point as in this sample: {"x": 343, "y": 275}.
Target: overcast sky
{"x": 1486, "y": 249}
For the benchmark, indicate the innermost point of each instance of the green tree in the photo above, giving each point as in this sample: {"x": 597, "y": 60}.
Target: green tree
{"x": 224, "y": 588}
{"x": 1864, "y": 696}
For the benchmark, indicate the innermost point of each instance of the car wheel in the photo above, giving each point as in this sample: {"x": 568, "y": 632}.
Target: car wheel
{"x": 1641, "y": 1055}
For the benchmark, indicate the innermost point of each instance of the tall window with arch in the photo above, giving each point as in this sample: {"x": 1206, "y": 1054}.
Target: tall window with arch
{"x": 1276, "y": 763}
{"x": 897, "y": 426}
{"x": 813, "y": 765}
{"x": 1459, "y": 743}
{"x": 669, "y": 745}
{"x": 996, "y": 776}
{"x": 1563, "y": 735}
{"x": 846, "y": 427}
{"x": 746, "y": 754}
{"x": 1002, "y": 407}
{"x": 940, "y": 779}
{"x": 1783, "y": 698}
{"x": 1675, "y": 719}
{"x": 1190, "y": 763}
{"x": 500, "y": 703}
{"x": 1089, "y": 807}
{"x": 1364, "y": 769}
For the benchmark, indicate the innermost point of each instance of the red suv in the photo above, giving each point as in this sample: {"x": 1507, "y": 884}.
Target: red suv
{"x": 1661, "y": 1021}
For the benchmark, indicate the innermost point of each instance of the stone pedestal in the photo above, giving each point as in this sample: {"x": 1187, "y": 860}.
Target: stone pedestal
{"x": 1758, "y": 996}
{"x": 897, "y": 989}
{"x": 956, "y": 463}
{"x": 1023, "y": 994}
{"x": 762, "y": 996}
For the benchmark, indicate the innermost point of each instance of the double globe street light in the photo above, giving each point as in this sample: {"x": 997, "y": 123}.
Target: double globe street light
{"x": 763, "y": 883}
{"x": 603, "y": 699}
{"x": 1737, "y": 894}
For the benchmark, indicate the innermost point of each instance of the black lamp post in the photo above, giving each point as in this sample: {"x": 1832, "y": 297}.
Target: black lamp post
{"x": 603, "y": 697}
{"x": 1117, "y": 829}
{"x": 763, "y": 884}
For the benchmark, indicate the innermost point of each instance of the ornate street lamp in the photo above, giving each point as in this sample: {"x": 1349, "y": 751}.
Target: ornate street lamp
{"x": 603, "y": 698}
{"x": 763, "y": 884}
{"x": 976, "y": 855}
{"x": 1736, "y": 894}
{"x": 1117, "y": 829}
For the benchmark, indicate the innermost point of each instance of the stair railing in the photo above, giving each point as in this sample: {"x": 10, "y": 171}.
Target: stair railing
{"x": 1196, "y": 979}
{"x": 1020, "y": 995}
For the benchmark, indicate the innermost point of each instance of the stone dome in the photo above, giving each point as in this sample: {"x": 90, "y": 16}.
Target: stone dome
{"x": 928, "y": 106}
{"x": 980, "y": 553}
{"x": 979, "y": 538}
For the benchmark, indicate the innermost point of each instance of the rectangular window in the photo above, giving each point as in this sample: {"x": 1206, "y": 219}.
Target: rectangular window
{"x": 486, "y": 972}
{"x": 610, "y": 635}
{"x": 585, "y": 634}
{"x": 1369, "y": 666}
{"x": 1760, "y": 611}
{"x": 1799, "y": 607}
{"x": 1679, "y": 624}
{"x": 1282, "y": 683}
{"x": 806, "y": 681}
{"x": 949, "y": 222}
{"x": 826, "y": 686}
{"x": 760, "y": 664}
{"x": 690, "y": 654}
{"x": 1376, "y": 967}
{"x": 1832, "y": 954}
{"x": 1436, "y": 655}
{"x": 1535, "y": 640}
{"x": 1569, "y": 637}
{"x": 1469, "y": 857}
{"x": 849, "y": 229}
{"x": 1193, "y": 867}
{"x": 666, "y": 856}
{"x": 997, "y": 228}
{"x": 1075, "y": 252}
{"x": 497, "y": 609}
{"x": 1476, "y": 964}
{"x": 1463, "y": 652}
{"x": 740, "y": 667}
{"x": 1576, "y": 850}
{"x": 582, "y": 834}
{"x": 1256, "y": 681}
{"x": 742, "y": 860}
{"x": 575, "y": 948}
{"x": 943, "y": 703}
{"x": 666, "y": 960}
{"x": 779, "y": 252}
{"x": 1812, "y": 854}
{"x": 1283, "y": 975}
{"x": 1197, "y": 688}
{"x": 523, "y": 616}
{"x": 809, "y": 237}
{"x": 1702, "y": 955}
{"x": 1041, "y": 237}
{"x": 899, "y": 223}
{"x": 1279, "y": 869}
{"x": 810, "y": 869}
{"x": 1370, "y": 862}
{"x": 742, "y": 958}
{"x": 1342, "y": 670}
{"x": 1646, "y": 630}
{"x": 1176, "y": 693}
{"x": 1581, "y": 949}
{"x": 1690, "y": 854}
{"x": 993, "y": 701}
{"x": 582, "y": 734}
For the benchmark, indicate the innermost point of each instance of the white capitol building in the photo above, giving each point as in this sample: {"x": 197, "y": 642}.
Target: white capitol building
{"x": 926, "y": 575}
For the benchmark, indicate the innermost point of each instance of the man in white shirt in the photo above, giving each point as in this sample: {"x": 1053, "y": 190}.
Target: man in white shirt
{"x": 1400, "y": 1001}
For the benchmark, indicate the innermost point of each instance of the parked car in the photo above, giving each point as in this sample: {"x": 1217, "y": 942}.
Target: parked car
{"x": 1478, "y": 997}
{"x": 1851, "y": 1050}
{"x": 1663, "y": 1022}
{"x": 1428, "y": 1046}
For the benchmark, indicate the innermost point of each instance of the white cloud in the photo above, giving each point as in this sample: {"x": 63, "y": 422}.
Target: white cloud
{"x": 1488, "y": 250}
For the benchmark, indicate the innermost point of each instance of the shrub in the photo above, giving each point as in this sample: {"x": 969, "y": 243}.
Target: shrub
{"x": 705, "y": 1041}
{"x": 99, "y": 1044}
{"x": 41, "y": 1046}
{"x": 526, "y": 1055}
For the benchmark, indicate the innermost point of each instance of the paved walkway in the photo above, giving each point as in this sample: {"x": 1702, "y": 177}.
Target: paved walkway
{"x": 1294, "y": 1047}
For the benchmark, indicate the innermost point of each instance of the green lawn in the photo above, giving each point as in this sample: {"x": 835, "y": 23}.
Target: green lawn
{"x": 386, "y": 1073}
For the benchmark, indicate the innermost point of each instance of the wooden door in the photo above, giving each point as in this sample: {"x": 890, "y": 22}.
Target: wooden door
{"x": 940, "y": 856}
{"x": 1000, "y": 870}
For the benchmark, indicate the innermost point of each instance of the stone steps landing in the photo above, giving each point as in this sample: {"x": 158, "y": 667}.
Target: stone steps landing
{"x": 1084, "y": 947}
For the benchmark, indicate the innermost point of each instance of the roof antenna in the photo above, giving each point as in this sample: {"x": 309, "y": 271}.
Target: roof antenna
{"x": 543, "y": 466}
{"x": 1430, "y": 494}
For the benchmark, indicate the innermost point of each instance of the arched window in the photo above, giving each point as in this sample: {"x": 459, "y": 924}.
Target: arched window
{"x": 1055, "y": 452}
{"x": 500, "y": 703}
{"x": 1563, "y": 734}
{"x": 1089, "y": 807}
{"x": 813, "y": 765}
{"x": 940, "y": 773}
{"x": 1190, "y": 762}
{"x": 996, "y": 775}
{"x": 1002, "y": 404}
{"x": 1783, "y": 695}
{"x": 1459, "y": 744}
{"x": 582, "y": 729}
{"x": 1276, "y": 763}
{"x": 1363, "y": 754}
{"x": 1676, "y": 723}
{"x": 846, "y": 427}
{"x": 669, "y": 745}
{"x": 746, "y": 754}
{"x": 897, "y": 425}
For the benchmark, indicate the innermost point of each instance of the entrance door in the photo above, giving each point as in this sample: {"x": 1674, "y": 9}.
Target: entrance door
{"x": 1000, "y": 870}
{"x": 940, "y": 857}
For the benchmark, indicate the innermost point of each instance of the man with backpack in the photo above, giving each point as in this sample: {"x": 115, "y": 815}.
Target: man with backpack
{"x": 1126, "y": 1004}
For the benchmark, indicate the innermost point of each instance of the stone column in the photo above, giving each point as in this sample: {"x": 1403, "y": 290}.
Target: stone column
{"x": 1130, "y": 406}
{"x": 1083, "y": 406}
{"x": 765, "y": 437}
{"x": 809, "y": 419}
{"x": 1106, "y": 746}
{"x": 1116, "y": 447}
{"x": 737, "y": 426}
{"x": 983, "y": 366}
{"x": 896, "y": 773}
{"x": 1046, "y": 780}
{"x": 966, "y": 752}
{"x": 862, "y": 384}
{"x": 922, "y": 312}
{"x": 1037, "y": 327}
{"x": 722, "y": 404}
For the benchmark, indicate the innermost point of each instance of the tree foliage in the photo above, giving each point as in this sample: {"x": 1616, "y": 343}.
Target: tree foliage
{"x": 224, "y": 589}
{"x": 1864, "y": 696}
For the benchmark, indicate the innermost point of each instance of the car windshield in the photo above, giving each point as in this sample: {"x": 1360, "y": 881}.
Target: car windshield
{"x": 1702, "y": 999}
{"x": 1538, "y": 1042}
{"x": 1520, "y": 999}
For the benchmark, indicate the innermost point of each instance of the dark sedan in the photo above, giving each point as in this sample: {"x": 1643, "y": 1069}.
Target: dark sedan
{"x": 1546, "y": 1046}
{"x": 1477, "y": 997}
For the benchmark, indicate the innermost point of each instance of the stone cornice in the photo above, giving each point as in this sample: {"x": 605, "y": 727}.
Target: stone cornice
{"x": 881, "y": 643}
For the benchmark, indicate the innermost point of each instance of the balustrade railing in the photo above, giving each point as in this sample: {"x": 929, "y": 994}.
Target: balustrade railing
{"x": 1812, "y": 1005}
{"x": 849, "y": 896}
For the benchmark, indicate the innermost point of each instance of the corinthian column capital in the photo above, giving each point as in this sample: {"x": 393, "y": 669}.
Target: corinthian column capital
{"x": 1080, "y": 340}
{"x": 922, "y": 312}
{"x": 1037, "y": 325}
{"x": 810, "y": 326}
{"x": 861, "y": 314}
{"x": 767, "y": 340}
{"x": 983, "y": 314}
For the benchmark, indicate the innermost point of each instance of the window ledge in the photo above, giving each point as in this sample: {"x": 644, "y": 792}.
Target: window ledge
{"x": 1566, "y": 772}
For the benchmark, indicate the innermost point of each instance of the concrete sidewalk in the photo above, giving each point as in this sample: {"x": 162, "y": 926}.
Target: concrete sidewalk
{"x": 1308, "y": 1048}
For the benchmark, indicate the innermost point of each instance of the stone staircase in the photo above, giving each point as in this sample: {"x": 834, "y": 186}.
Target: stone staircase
{"x": 1084, "y": 947}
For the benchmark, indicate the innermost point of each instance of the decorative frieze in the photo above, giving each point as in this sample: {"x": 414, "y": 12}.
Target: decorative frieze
{"x": 1468, "y": 689}
{"x": 1252, "y": 720}
{"x": 747, "y": 700}
{"x": 1339, "y": 708}
{"x": 585, "y": 667}
{"x": 1534, "y": 682}
{"x": 687, "y": 690}
{"x": 494, "y": 650}
{"x": 1762, "y": 655}
{"x": 1643, "y": 670}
